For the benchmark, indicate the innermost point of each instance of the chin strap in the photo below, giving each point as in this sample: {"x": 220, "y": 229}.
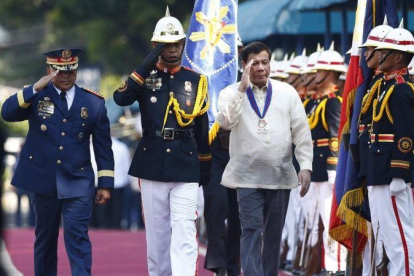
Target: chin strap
{"x": 322, "y": 80}
{"x": 386, "y": 56}
{"x": 309, "y": 82}
{"x": 292, "y": 82}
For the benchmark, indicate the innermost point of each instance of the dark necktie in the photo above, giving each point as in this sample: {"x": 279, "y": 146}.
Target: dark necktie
{"x": 64, "y": 101}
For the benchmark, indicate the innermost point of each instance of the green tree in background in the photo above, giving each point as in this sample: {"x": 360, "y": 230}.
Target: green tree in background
{"x": 114, "y": 33}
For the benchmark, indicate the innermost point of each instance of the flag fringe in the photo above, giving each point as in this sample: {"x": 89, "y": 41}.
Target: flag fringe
{"x": 212, "y": 134}
{"x": 341, "y": 233}
{"x": 352, "y": 219}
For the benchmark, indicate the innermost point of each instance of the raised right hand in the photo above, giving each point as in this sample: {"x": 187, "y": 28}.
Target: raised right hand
{"x": 245, "y": 79}
{"x": 152, "y": 57}
{"x": 44, "y": 81}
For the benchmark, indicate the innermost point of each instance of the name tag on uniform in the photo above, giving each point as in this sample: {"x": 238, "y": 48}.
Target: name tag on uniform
{"x": 153, "y": 82}
{"x": 45, "y": 108}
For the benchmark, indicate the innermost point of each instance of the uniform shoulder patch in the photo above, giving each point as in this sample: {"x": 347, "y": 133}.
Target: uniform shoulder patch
{"x": 405, "y": 144}
{"x": 96, "y": 93}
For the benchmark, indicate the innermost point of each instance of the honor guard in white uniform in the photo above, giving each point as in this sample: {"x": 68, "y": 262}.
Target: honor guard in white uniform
{"x": 390, "y": 156}
{"x": 324, "y": 123}
{"x": 365, "y": 121}
{"x": 173, "y": 156}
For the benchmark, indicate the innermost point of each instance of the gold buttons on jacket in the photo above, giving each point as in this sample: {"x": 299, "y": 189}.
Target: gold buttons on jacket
{"x": 59, "y": 162}
{"x": 30, "y": 157}
{"x": 60, "y": 148}
{"x": 43, "y": 127}
{"x": 171, "y": 77}
{"x": 65, "y": 121}
{"x": 63, "y": 134}
{"x": 168, "y": 150}
{"x": 145, "y": 149}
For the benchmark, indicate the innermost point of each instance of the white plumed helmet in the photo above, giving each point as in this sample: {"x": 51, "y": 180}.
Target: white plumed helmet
{"x": 377, "y": 34}
{"x": 398, "y": 39}
{"x": 168, "y": 29}
{"x": 313, "y": 58}
{"x": 330, "y": 60}
{"x": 297, "y": 64}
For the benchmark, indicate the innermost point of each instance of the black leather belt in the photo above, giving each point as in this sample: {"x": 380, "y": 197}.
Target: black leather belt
{"x": 169, "y": 133}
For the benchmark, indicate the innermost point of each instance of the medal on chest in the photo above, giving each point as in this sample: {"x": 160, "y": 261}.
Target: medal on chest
{"x": 262, "y": 124}
{"x": 153, "y": 82}
{"x": 45, "y": 108}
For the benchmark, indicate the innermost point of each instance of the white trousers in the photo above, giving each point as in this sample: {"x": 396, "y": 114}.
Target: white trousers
{"x": 393, "y": 214}
{"x": 170, "y": 212}
{"x": 335, "y": 254}
{"x": 290, "y": 229}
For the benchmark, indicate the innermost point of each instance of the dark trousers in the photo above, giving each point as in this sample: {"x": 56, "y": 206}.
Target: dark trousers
{"x": 76, "y": 213}
{"x": 109, "y": 216}
{"x": 220, "y": 203}
{"x": 262, "y": 216}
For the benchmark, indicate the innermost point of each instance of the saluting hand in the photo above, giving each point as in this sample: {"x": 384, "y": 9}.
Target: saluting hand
{"x": 304, "y": 177}
{"x": 152, "y": 57}
{"x": 102, "y": 196}
{"x": 245, "y": 79}
{"x": 44, "y": 81}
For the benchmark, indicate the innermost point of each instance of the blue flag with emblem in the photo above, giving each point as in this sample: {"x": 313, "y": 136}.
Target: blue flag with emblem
{"x": 210, "y": 47}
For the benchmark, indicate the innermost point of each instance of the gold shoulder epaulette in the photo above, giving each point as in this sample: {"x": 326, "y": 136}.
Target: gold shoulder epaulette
{"x": 96, "y": 93}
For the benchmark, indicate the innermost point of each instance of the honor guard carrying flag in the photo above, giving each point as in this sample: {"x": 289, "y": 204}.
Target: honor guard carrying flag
{"x": 173, "y": 157}
{"x": 365, "y": 118}
{"x": 55, "y": 163}
{"x": 390, "y": 154}
{"x": 324, "y": 123}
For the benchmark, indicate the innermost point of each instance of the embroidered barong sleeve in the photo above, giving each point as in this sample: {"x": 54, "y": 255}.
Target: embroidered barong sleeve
{"x": 230, "y": 106}
{"x": 301, "y": 134}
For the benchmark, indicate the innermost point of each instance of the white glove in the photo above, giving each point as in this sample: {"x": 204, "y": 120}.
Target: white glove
{"x": 331, "y": 177}
{"x": 397, "y": 186}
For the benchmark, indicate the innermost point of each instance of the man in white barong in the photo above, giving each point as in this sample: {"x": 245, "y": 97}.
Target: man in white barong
{"x": 266, "y": 117}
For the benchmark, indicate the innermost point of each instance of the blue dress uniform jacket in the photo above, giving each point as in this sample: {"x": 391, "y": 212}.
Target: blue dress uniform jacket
{"x": 159, "y": 156}
{"x": 392, "y": 133}
{"x": 364, "y": 124}
{"x": 324, "y": 123}
{"x": 55, "y": 159}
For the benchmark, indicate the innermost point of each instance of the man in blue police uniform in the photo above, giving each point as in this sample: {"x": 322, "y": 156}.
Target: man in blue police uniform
{"x": 173, "y": 156}
{"x": 55, "y": 163}
{"x": 390, "y": 156}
